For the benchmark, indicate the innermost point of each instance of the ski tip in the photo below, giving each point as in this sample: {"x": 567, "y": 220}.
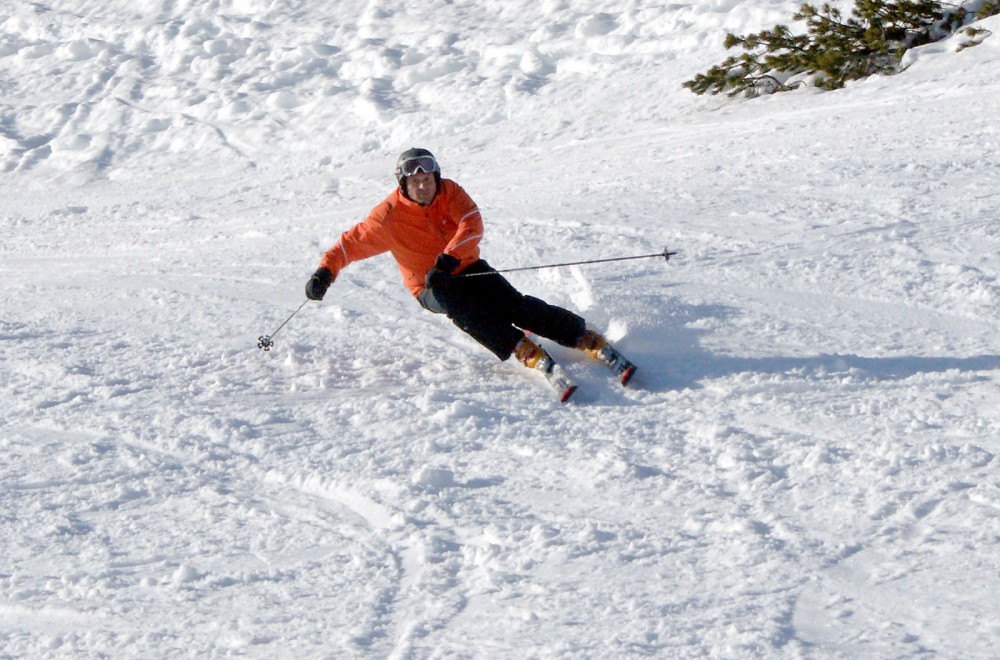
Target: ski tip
{"x": 627, "y": 376}
{"x": 567, "y": 393}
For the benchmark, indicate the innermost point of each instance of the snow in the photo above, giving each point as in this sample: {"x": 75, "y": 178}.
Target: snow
{"x": 805, "y": 467}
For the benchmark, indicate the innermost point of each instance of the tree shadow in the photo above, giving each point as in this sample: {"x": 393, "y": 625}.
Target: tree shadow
{"x": 671, "y": 357}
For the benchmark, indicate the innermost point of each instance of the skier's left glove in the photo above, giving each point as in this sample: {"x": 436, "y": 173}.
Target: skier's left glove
{"x": 318, "y": 284}
{"x": 439, "y": 275}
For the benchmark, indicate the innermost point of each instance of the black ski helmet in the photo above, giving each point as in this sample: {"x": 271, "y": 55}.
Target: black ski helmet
{"x": 412, "y": 154}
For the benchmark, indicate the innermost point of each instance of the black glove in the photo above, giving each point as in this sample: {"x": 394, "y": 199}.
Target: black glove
{"x": 318, "y": 284}
{"x": 438, "y": 276}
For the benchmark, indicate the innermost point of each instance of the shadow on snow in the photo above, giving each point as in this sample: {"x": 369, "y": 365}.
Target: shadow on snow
{"x": 671, "y": 357}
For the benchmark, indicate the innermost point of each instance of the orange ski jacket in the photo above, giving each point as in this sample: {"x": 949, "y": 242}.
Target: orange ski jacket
{"x": 414, "y": 234}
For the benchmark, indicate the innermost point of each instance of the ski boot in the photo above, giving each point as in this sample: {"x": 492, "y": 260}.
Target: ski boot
{"x": 597, "y": 347}
{"x": 534, "y": 356}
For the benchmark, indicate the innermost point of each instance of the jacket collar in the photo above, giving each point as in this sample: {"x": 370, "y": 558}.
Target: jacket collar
{"x": 403, "y": 200}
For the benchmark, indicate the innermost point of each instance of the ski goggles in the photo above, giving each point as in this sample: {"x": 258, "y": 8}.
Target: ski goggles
{"x": 411, "y": 166}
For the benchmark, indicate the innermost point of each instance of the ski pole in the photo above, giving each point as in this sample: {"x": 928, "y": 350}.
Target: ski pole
{"x": 265, "y": 342}
{"x": 666, "y": 254}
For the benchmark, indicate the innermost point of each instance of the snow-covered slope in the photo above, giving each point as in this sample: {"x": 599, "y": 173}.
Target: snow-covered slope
{"x": 806, "y": 466}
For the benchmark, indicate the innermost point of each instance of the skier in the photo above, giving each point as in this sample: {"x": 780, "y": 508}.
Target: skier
{"x": 433, "y": 228}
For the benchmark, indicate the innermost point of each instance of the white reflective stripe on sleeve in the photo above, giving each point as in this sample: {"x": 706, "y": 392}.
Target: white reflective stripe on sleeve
{"x": 469, "y": 214}
{"x": 470, "y": 238}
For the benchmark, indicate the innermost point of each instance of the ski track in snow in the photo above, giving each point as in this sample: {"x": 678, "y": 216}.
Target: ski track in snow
{"x": 805, "y": 466}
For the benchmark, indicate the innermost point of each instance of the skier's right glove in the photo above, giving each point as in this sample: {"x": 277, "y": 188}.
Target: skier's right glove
{"x": 318, "y": 284}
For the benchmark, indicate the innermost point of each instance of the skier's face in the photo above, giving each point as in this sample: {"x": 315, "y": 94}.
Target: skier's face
{"x": 421, "y": 187}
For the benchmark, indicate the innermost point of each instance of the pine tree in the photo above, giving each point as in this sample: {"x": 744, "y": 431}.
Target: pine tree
{"x": 834, "y": 50}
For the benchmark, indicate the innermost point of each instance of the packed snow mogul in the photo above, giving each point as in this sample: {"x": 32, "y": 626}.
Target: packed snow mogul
{"x": 433, "y": 229}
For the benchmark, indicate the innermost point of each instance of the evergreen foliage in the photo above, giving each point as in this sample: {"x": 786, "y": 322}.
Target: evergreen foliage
{"x": 834, "y": 50}
{"x": 989, "y": 8}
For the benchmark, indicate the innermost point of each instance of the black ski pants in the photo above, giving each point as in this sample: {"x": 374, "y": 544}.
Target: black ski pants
{"x": 494, "y": 313}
